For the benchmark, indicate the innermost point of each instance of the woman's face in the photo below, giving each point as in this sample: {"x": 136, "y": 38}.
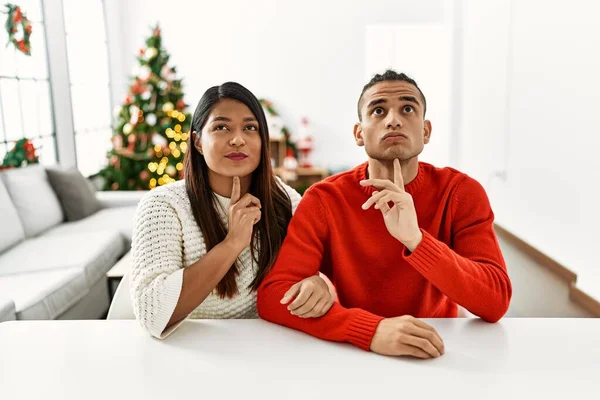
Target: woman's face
{"x": 230, "y": 140}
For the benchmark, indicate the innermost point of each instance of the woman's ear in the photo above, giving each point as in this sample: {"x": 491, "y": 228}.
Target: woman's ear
{"x": 196, "y": 140}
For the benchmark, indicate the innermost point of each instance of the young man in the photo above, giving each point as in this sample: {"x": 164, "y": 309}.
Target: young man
{"x": 399, "y": 239}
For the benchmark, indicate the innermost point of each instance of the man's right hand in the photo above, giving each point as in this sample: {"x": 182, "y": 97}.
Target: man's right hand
{"x": 407, "y": 336}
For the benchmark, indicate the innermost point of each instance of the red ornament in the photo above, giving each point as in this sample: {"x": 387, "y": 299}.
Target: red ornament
{"x": 18, "y": 15}
{"x": 132, "y": 138}
{"x": 180, "y": 104}
{"x": 304, "y": 145}
{"x": 128, "y": 100}
{"x": 138, "y": 87}
{"x": 21, "y": 45}
{"x": 142, "y": 51}
{"x": 117, "y": 142}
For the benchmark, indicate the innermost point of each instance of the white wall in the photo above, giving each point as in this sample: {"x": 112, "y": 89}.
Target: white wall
{"x": 307, "y": 57}
{"x": 531, "y": 93}
{"x": 423, "y": 51}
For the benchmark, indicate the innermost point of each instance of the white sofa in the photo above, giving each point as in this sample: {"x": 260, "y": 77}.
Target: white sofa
{"x": 52, "y": 269}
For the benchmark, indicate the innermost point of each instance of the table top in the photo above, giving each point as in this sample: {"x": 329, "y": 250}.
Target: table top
{"x": 513, "y": 359}
{"x": 121, "y": 267}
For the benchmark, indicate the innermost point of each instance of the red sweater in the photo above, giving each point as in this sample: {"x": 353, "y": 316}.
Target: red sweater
{"x": 458, "y": 261}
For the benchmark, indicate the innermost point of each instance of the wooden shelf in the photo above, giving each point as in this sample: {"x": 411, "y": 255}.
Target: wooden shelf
{"x": 277, "y": 148}
{"x": 305, "y": 177}
{"x": 320, "y": 172}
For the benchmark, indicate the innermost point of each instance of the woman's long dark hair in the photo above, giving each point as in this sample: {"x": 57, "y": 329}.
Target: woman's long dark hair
{"x": 276, "y": 210}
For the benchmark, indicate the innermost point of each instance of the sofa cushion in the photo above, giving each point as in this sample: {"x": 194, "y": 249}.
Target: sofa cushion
{"x": 45, "y": 294}
{"x": 93, "y": 252}
{"x": 12, "y": 230}
{"x": 77, "y": 198}
{"x": 118, "y": 219}
{"x": 7, "y": 310}
{"x": 35, "y": 201}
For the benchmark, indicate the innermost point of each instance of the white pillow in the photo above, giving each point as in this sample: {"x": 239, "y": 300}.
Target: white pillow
{"x": 36, "y": 203}
{"x": 12, "y": 230}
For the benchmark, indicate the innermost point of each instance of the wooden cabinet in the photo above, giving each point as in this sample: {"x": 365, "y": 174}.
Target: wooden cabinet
{"x": 277, "y": 151}
{"x": 304, "y": 177}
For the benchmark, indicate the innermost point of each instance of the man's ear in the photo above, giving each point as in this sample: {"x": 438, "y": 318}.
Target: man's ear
{"x": 358, "y": 134}
{"x": 196, "y": 140}
{"x": 426, "y": 131}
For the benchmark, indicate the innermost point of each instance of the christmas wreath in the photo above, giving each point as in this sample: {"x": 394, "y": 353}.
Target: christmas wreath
{"x": 18, "y": 28}
{"x": 22, "y": 154}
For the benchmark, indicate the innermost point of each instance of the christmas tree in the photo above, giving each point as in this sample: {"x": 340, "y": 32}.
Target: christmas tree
{"x": 151, "y": 127}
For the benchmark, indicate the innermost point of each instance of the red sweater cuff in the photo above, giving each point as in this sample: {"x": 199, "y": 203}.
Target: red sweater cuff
{"x": 362, "y": 328}
{"x": 427, "y": 254}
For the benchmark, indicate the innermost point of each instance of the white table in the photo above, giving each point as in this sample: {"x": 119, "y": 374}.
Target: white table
{"x": 253, "y": 359}
{"x": 117, "y": 272}
{"x": 121, "y": 267}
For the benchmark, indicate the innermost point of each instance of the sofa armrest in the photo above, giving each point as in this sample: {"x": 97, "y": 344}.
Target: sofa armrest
{"x": 7, "y": 310}
{"x": 110, "y": 199}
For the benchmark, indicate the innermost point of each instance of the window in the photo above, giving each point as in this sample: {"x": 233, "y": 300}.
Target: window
{"x": 25, "y": 102}
{"x": 89, "y": 82}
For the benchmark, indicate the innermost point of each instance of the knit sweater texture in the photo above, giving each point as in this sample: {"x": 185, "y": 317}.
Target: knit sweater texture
{"x": 167, "y": 239}
{"x": 458, "y": 262}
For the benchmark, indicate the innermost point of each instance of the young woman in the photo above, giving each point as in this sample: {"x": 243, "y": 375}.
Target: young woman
{"x": 202, "y": 246}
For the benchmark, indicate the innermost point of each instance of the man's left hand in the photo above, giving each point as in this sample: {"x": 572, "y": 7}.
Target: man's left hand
{"x": 312, "y": 296}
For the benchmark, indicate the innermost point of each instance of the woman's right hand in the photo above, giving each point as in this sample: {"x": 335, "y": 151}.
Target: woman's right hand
{"x": 243, "y": 214}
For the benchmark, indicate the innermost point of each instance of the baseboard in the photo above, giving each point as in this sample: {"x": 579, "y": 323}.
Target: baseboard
{"x": 584, "y": 300}
{"x": 577, "y": 295}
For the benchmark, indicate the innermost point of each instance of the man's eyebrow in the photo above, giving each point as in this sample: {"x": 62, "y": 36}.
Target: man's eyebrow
{"x": 376, "y": 102}
{"x": 410, "y": 99}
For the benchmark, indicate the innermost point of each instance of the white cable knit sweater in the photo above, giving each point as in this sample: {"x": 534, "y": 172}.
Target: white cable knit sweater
{"x": 167, "y": 239}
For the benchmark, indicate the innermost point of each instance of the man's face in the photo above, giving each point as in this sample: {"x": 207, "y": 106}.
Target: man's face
{"x": 392, "y": 123}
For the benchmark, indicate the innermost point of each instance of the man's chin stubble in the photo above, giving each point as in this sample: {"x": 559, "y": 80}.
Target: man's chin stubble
{"x": 389, "y": 156}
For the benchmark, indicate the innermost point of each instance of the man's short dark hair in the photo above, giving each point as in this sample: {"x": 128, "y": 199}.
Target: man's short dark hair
{"x": 390, "y": 75}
